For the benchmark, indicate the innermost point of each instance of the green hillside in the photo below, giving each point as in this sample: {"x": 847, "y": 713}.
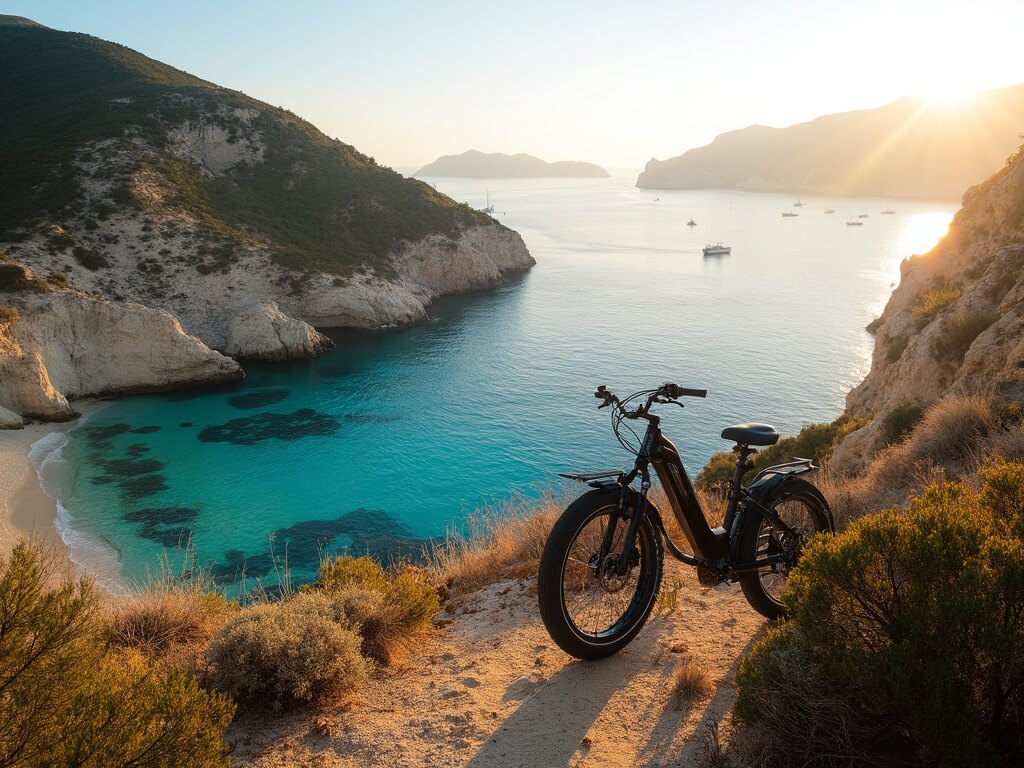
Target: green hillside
{"x": 318, "y": 202}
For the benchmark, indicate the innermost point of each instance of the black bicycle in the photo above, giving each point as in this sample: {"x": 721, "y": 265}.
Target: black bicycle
{"x": 602, "y": 564}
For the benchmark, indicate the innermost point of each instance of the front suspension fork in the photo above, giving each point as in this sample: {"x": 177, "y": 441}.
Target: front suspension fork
{"x": 622, "y": 567}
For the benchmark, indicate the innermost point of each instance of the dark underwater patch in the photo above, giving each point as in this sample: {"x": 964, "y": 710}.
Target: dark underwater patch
{"x": 136, "y": 449}
{"x": 100, "y": 435}
{"x": 146, "y": 430}
{"x": 257, "y": 399}
{"x": 102, "y": 480}
{"x": 185, "y": 424}
{"x": 369, "y": 531}
{"x": 305, "y": 422}
{"x": 141, "y": 487}
{"x": 131, "y": 467}
{"x": 164, "y": 525}
{"x": 371, "y": 418}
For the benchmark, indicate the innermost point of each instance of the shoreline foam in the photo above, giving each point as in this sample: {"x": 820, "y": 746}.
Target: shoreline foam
{"x": 27, "y": 509}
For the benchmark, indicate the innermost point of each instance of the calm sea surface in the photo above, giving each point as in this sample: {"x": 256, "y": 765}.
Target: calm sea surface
{"x": 398, "y": 436}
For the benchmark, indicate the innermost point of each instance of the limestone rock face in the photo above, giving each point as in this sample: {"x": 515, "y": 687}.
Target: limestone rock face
{"x": 264, "y": 332}
{"x": 67, "y": 345}
{"x": 482, "y": 257}
{"x": 10, "y": 420}
{"x": 955, "y": 322}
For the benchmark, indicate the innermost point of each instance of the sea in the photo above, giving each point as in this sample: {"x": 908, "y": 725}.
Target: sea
{"x": 398, "y": 438}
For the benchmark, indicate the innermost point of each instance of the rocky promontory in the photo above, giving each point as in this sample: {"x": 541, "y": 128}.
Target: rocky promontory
{"x": 497, "y": 165}
{"x": 207, "y": 219}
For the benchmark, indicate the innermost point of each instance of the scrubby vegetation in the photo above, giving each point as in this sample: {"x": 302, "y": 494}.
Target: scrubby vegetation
{"x": 8, "y": 316}
{"x": 815, "y": 441}
{"x": 66, "y": 699}
{"x": 960, "y": 331}
{"x": 319, "y": 202}
{"x": 303, "y": 649}
{"x": 899, "y": 421}
{"x": 906, "y": 639}
{"x": 17, "y": 278}
{"x": 933, "y": 301}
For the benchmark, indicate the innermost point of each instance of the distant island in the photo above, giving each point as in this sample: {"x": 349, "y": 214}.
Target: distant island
{"x": 909, "y": 148}
{"x": 497, "y": 165}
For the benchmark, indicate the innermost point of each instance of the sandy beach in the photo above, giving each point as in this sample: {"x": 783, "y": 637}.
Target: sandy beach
{"x": 24, "y": 509}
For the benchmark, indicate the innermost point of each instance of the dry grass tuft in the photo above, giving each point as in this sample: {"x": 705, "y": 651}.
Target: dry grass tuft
{"x": 169, "y": 619}
{"x": 690, "y": 683}
{"x": 499, "y": 544}
{"x": 951, "y": 429}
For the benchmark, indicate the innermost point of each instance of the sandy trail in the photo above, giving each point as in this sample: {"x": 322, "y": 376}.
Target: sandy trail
{"x": 491, "y": 690}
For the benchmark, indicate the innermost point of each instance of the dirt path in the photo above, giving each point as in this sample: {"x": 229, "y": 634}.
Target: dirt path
{"x": 491, "y": 690}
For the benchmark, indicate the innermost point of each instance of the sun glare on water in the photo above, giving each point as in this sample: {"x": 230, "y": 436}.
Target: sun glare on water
{"x": 922, "y": 231}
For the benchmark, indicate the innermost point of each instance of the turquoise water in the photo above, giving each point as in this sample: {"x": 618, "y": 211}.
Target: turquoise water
{"x": 397, "y": 436}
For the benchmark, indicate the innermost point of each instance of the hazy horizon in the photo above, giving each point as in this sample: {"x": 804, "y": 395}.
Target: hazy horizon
{"x": 596, "y": 82}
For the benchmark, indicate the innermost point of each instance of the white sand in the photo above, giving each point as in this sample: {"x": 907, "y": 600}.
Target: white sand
{"x": 25, "y": 511}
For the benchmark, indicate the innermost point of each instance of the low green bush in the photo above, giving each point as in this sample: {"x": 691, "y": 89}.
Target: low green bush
{"x": 895, "y": 347}
{"x": 65, "y": 700}
{"x": 960, "y": 331}
{"x": 389, "y": 609}
{"x": 302, "y": 649}
{"x": 897, "y": 423}
{"x": 89, "y": 258}
{"x": 814, "y": 441}
{"x": 913, "y": 625}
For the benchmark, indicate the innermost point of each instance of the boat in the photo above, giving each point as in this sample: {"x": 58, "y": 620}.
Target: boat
{"x": 716, "y": 250}
{"x": 863, "y": 215}
{"x": 691, "y": 223}
{"x": 854, "y": 223}
{"x": 489, "y": 210}
{"x": 798, "y": 204}
{"x": 888, "y": 209}
{"x": 830, "y": 210}
{"x": 789, "y": 214}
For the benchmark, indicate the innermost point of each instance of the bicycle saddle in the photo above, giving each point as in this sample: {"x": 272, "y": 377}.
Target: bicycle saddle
{"x": 751, "y": 433}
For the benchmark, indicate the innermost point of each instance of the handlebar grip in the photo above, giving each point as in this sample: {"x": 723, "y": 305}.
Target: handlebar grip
{"x": 684, "y": 392}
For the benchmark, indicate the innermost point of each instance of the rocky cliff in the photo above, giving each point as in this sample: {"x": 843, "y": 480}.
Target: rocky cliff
{"x": 955, "y": 322}
{"x": 909, "y": 148}
{"x": 130, "y": 181}
{"x": 56, "y": 346}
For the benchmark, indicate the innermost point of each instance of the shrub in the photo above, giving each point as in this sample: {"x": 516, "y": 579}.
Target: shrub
{"x": 298, "y": 650}
{"x": 914, "y": 622}
{"x": 960, "y": 331}
{"x": 65, "y": 701}
{"x": 89, "y": 258}
{"x": 389, "y": 610}
{"x": 8, "y": 316}
{"x": 15, "y": 278}
{"x": 950, "y": 429}
{"x": 895, "y": 347}
{"x": 815, "y": 441}
{"x": 898, "y": 422}
{"x": 58, "y": 278}
{"x": 932, "y": 301}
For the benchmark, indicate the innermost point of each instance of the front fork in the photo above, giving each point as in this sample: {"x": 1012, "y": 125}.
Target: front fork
{"x": 622, "y": 567}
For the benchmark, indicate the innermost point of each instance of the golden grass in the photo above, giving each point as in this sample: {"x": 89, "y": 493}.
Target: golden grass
{"x": 169, "y": 618}
{"x": 690, "y": 683}
{"x": 934, "y": 300}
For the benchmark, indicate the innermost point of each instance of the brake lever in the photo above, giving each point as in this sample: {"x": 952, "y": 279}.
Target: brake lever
{"x": 605, "y": 404}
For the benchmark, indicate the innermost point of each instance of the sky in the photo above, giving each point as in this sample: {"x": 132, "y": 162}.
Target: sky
{"x": 614, "y": 83}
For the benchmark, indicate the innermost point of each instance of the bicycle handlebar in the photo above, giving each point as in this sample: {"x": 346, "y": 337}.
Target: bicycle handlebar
{"x": 668, "y": 391}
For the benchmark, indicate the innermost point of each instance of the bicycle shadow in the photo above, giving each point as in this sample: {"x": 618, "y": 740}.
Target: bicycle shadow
{"x": 672, "y": 741}
{"x": 550, "y": 725}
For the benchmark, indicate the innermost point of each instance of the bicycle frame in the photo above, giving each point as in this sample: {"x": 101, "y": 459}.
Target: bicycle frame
{"x": 712, "y": 547}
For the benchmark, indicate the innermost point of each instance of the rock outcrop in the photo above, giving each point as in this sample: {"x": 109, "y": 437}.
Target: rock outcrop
{"x": 955, "y": 322}
{"x": 65, "y": 345}
{"x": 266, "y": 333}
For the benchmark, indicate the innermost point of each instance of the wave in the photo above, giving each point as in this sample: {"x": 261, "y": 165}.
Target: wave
{"x": 89, "y": 553}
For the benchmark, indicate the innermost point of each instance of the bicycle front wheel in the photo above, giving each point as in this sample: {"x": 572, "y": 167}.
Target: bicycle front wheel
{"x": 589, "y": 608}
